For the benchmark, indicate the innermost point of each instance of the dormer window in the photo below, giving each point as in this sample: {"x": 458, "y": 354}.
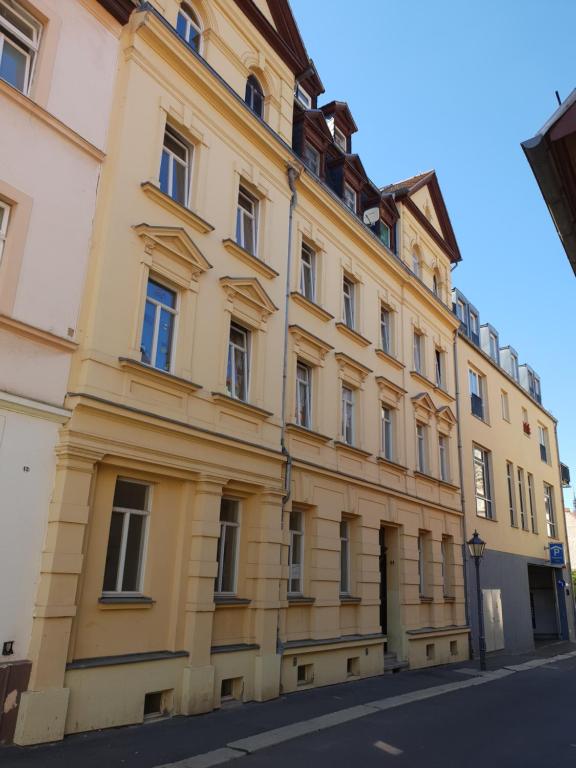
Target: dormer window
{"x": 311, "y": 158}
{"x": 514, "y": 367}
{"x": 303, "y": 96}
{"x": 349, "y": 197}
{"x": 474, "y": 326}
{"x": 254, "y": 96}
{"x": 385, "y": 233}
{"x": 188, "y": 27}
{"x": 340, "y": 139}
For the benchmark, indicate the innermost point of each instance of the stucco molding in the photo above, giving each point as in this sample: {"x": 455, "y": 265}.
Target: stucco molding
{"x": 186, "y": 214}
{"x": 37, "y": 334}
{"x": 175, "y": 243}
{"x": 36, "y": 408}
{"x": 250, "y": 291}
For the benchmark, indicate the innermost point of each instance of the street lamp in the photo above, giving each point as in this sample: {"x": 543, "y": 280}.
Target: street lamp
{"x": 476, "y": 548}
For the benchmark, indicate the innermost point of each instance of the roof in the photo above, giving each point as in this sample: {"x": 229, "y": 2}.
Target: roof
{"x": 341, "y": 109}
{"x": 120, "y": 9}
{"x": 406, "y": 184}
{"x": 552, "y": 157}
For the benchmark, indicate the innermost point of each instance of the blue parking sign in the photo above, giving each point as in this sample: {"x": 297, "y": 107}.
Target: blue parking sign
{"x": 556, "y": 554}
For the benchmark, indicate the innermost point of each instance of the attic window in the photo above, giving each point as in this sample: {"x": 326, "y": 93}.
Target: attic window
{"x": 303, "y": 96}
{"x": 349, "y": 197}
{"x": 340, "y": 139}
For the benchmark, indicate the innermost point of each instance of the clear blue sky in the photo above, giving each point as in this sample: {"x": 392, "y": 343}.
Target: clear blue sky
{"x": 456, "y": 86}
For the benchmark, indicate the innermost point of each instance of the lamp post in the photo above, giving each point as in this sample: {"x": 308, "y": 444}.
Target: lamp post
{"x": 476, "y": 548}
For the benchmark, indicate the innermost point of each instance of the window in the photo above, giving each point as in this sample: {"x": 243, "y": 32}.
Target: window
{"x": 158, "y": 329}
{"x": 424, "y": 545}
{"x": 348, "y": 292}
{"x": 4, "y": 216}
{"x": 418, "y": 353}
{"x": 308, "y": 272}
{"x": 461, "y": 310}
{"x": 348, "y": 415}
{"x": 254, "y": 96}
{"x": 303, "y": 395}
{"x": 344, "y": 557}
{"x": 387, "y": 433}
{"x": 238, "y": 371}
{"x": 514, "y": 366}
{"x": 505, "y": 405}
{"x": 435, "y": 287}
{"x": 188, "y": 27}
{"x": 439, "y": 368}
{"x": 421, "y": 448}
{"x": 349, "y": 197}
{"x": 537, "y": 394}
{"x": 549, "y": 511}
{"x": 124, "y": 567}
{"x": 416, "y": 263}
{"x": 443, "y": 451}
{"x": 247, "y": 221}
{"x": 543, "y": 440}
{"x": 532, "y": 504}
{"x": 447, "y": 555}
{"x": 482, "y": 483}
{"x": 227, "y": 554}
{"x": 476, "y": 393}
{"x": 493, "y": 345}
{"x": 340, "y": 139}
{"x": 19, "y": 41}
{"x": 311, "y": 158}
{"x": 385, "y": 234}
{"x": 385, "y": 330}
{"x": 511, "y": 494}
{"x": 296, "y": 553}
{"x": 521, "y": 499}
{"x": 175, "y": 167}
{"x": 303, "y": 96}
{"x": 474, "y": 326}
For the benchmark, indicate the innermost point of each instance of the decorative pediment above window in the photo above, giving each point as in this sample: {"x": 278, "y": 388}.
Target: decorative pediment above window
{"x": 390, "y": 393}
{"x": 311, "y": 348}
{"x": 446, "y": 419}
{"x": 351, "y": 370}
{"x": 248, "y": 298}
{"x": 423, "y": 407}
{"x": 175, "y": 243}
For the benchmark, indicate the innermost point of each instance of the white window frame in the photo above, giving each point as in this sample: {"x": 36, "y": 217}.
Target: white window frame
{"x": 418, "y": 353}
{"x": 493, "y": 345}
{"x": 224, "y": 525}
{"x": 474, "y": 323}
{"x": 543, "y": 443}
{"x": 302, "y": 96}
{"x": 505, "y": 405}
{"x": 511, "y": 494}
{"x": 127, "y": 513}
{"x": 439, "y": 367}
{"x": 387, "y": 432}
{"x": 247, "y": 214}
{"x": 6, "y": 211}
{"x": 386, "y": 329}
{"x": 532, "y": 503}
{"x": 345, "y": 557}
{"x": 348, "y": 398}
{"x": 444, "y": 457}
{"x": 340, "y": 139}
{"x": 28, "y": 46}
{"x": 159, "y": 307}
{"x": 295, "y": 567}
{"x": 422, "y": 564}
{"x": 416, "y": 266}
{"x": 349, "y": 302}
{"x": 187, "y": 12}
{"x": 476, "y": 384}
{"x": 304, "y": 381}
{"x": 421, "y": 448}
{"x": 521, "y": 499}
{"x": 245, "y": 350}
{"x": 514, "y": 366}
{"x": 461, "y": 310}
{"x": 349, "y": 197}
{"x": 549, "y": 510}
{"x": 483, "y": 463}
{"x": 314, "y": 166}
{"x": 173, "y": 158}
{"x": 308, "y": 270}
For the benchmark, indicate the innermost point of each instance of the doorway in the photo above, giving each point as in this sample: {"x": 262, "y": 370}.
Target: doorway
{"x": 543, "y": 603}
{"x": 383, "y": 583}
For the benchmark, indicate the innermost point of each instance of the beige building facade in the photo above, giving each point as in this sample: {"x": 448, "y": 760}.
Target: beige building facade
{"x": 258, "y": 488}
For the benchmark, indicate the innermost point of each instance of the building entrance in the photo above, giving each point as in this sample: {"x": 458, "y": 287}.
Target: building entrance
{"x": 547, "y": 615}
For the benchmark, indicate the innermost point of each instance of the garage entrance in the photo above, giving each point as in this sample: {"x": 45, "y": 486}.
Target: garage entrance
{"x": 547, "y": 603}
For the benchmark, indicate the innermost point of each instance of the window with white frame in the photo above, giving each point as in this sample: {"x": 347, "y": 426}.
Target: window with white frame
{"x": 521, "y": 499}
{"x": 435, "y": 285}
{"x": 124, "y": 569}
{"x": 385, "y": 234}
{"x": 439, "y": 367}
{"x": 416, "y": 263}
{"x": 19, "y": 43}
{"x": 349, "y": 301}
{"x": 532, "y": 504}
{"x": 247, "y": 221}
{"x": 349, "y": 197}
{"x": 347, "y": 415}
{"x": 344, "y": 557}
{"x": 474, "y": 324}
{"x": 424, "y": 546}
{"x": 447, "y": 555}
{"x": 188, "y": 27}
{"x": 514, "y": 366}
{"x": 511, "y": 493}
{"x": 418, "y": 352}
{"x": 340, "y": 139}
{"x": 493, "y": 345}
{"x": 296, "y": 553}
{"x": 227, "y": 553}
{"x": 238, "y": 369}
{"x": 505, "y": 405}
{"x": 308, "y": 272}
{"x": 175, "y": 167}
{"x": 543, "y": 441}
{"x": 386, "y": 329}
{"x": 157, "y": 342}
{"x": 482, "y": 482}
{"x": 476, "y": 381}
{"x": 303, "y": 395}
{"x": 387, "y": 422}
{"x": 303, "y": 96}
{"x": 444, "y": 458}
{"x": 461, "y": 310}
{"x": 254, "y": 96}
{"x": 4, "y": 216}
{"x": 311, "y": 158}
{"x": 421, "y": 448}
{"x": 549, "y": 511}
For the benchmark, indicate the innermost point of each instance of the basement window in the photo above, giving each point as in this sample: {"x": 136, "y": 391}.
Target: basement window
{"x": 305, "y": 674}
{"x": 153, "y": 704}
{"x": 353, "y": 667}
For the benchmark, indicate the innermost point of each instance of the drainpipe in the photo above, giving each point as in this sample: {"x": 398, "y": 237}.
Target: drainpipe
{"x": 462, "y": 494}
{"x": 567, "y": 548}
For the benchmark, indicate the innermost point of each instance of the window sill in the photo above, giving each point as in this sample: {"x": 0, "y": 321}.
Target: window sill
{"x": 186, "y": 214}
{"x": 345, "y": 447}
{"x": 311, "y": 306}
{"x": 352, "y": 334}
{"x": 300, "y": 600}
{"x": 449, "y": 598}
{"x": 448, "y": 485}
{"x": 391, "y": 464}
{"x": 241, "y": 405}
{"x": 420, "y": 377}
{"x": 130, "y": 602}
{"x": 248, "y": 258}
{"x": 389, "y": 358}
{"x": 426, "y": 476}
{"x": 230, "y": 601}
{"x": 159, "y": 375}
{"x": 480, "y": 418}
{"x": 426, "y": 599}
{"x": 350, "y": 599}
{"x": 444, "y": 393}
{"x": 315, "y": 437}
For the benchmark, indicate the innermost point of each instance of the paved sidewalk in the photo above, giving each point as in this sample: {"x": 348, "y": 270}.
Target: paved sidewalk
{"x": 175, "y": 739}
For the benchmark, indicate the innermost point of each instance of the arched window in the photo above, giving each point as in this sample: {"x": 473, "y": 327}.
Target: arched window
{"x": 188, "y": 27}
{"x": 254, "y": 96}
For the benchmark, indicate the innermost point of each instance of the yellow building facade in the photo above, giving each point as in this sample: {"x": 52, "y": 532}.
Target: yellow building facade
{"x": 258, "y": 489}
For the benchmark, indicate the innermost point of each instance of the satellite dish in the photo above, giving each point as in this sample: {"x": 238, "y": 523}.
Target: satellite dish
{"x": 371, "y": 216}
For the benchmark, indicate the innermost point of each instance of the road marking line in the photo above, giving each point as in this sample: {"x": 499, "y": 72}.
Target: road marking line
{"x": 388, "y": 748}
